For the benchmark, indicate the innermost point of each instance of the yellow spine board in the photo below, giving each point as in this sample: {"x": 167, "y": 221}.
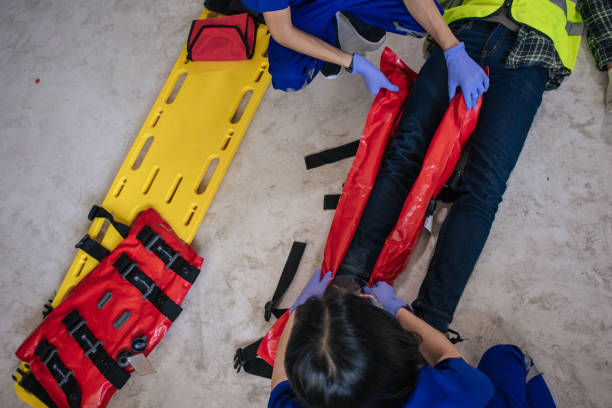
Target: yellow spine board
{"x": 180, "y": 155}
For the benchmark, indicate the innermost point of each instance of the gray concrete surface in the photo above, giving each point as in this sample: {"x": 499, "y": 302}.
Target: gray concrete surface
{"x": 543, "y": 282}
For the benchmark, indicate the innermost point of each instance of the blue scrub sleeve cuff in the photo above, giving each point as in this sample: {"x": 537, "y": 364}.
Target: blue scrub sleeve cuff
{"x": 262, "y": 6}
{"x": 283, "y": 396}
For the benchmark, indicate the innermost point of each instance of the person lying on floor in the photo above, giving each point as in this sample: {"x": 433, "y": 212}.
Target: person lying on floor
{"x": 523, "y": 63}
{"x": 339, "y": 350}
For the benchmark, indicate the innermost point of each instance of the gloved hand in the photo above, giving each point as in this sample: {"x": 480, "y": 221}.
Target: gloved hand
{"x": 373, "y": 77}
{"x": 386, "y": 295}
{"x": 314, "y": 288}
{"x": 464, "y": 72}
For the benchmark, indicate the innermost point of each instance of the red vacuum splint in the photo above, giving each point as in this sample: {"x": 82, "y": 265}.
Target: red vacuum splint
{"x": 79, "y": 353}
{"x": 444, "y": 151}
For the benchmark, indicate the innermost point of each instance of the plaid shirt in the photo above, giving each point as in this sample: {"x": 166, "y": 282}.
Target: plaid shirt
{"x": 535, "y": 48}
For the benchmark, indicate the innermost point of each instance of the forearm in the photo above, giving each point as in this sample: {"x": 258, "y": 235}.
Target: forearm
{"x": 284, "y": 33}
{"x": 278, "y": 372}
{"x": 435, "y": 346}
{"x": 428, "y": 15}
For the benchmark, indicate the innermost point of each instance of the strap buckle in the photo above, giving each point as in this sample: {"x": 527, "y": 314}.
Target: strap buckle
{"x": 268, "y": 310}
{"x": 49, "y": 353}
{"x": 239, "y": 360}
{"x": 80, "y": 323}
{"x": 125, "y": 271}
{"x": 172, "y": 260}
{"x": 93, "y": 348}
{"x": 82, "y": 242}
{"x": 150, "y": 240}
{"x": 65, "y": 376}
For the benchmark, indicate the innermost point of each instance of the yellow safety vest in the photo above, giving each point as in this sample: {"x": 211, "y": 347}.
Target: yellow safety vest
{"x": 557, "y": 19}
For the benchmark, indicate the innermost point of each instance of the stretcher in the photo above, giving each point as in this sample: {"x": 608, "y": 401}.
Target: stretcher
{"x": 180, "y": 155}
{"x": 440, "y": 160}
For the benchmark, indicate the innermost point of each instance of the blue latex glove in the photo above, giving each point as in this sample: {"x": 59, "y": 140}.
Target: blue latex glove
{"x": 373, "y": 77}
{"x": 465, "y": 73}
{"x": 386, "y": 295}
{"x": 314, "y": 288}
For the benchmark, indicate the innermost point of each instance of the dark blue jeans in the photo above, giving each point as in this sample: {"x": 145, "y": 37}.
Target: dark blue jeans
{"x": 508, "y": 109}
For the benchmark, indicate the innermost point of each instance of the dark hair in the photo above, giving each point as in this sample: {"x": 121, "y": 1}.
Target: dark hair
{"x": 345, "y": 352}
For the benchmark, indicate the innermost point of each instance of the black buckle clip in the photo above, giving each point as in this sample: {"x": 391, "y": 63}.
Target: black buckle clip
{"x": 50, "y": 352}
{"x": 268, "y": 310}
{"x": 80, "y": 323}
{"x": 431, "y": 208}
{"x": 150, "y": 240}
{"x": 93, "y": 348}
{"x": 93, "y": 212}
{"x": 81, "y": 243}
{"x": 172, "y": 260}
{"x": 239, "y": 360}
{"x": 125, "y": 271}
{"x": 65, "y": 376}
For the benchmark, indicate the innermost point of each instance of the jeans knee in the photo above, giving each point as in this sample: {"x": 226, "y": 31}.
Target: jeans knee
{"x": 483, "y": 203}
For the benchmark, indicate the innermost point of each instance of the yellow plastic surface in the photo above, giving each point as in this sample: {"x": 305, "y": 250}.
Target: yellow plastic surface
{"x": 193, "y": 129}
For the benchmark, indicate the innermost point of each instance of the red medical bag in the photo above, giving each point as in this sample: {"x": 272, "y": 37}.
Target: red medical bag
{"x": 230, "y": 38}
{"x": 79, "y": 354}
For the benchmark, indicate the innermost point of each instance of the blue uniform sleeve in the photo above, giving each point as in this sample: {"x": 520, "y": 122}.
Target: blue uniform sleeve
{"x": 468, "y": 386}
{"x": 283, "y": 396}
{"x": 451, "y": 383}
{"x": 266, "y": 5}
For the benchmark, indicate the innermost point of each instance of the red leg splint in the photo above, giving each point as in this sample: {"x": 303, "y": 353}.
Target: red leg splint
{"x": 124, "y": 306}
{"x": 442, "y": 156}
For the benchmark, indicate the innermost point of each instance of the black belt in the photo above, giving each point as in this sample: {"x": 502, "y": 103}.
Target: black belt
{"x": 77, "y": 327}
{"x": 129, "y": 270}
{"x": 64, "y": 377}
{"x": 153, "y": 242}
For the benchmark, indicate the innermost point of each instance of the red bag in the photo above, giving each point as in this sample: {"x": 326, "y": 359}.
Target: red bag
{"x": 230, "y": 38}
{"x": 78, "y": 354}
{"x": 444, "y": 151}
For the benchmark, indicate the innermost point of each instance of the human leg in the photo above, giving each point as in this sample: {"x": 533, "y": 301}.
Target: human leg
{"x": 508, "y": 109}
{"x": 538, "y": 394}
{"x": 424, "y": 108}
{"x": 505, "y": 367}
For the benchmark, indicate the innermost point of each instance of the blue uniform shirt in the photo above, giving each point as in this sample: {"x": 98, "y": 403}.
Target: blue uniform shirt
{"x": 267, "y": 5}
{"x": 451, "y": 383}
{"x": 291, "y": 70}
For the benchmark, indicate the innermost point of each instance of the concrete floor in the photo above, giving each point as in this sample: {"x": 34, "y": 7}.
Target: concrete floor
{"x": 544, "y": 280}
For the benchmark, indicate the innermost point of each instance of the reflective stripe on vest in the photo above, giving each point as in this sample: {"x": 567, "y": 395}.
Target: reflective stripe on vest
{"x": 557, "y": 19}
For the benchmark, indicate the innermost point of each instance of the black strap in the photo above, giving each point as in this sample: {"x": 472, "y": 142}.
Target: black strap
{"x": 64, "y": 377}
{"x": 92, "y": 248}
{"x": 33, "y": 386}
{"x": 129, "y": 270}
{"x": 330, "y": 201}
{"x": 291, "y": 267}
{"x": 94, "y": 350}
{"x": 457, "y": 337}
{"x": 246, "y": 358}
{"x": 332, "y": 155}
{"x": 99, "y": 212}
{"x": 152, "y": 241}
{"x": 452, "y": 188}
